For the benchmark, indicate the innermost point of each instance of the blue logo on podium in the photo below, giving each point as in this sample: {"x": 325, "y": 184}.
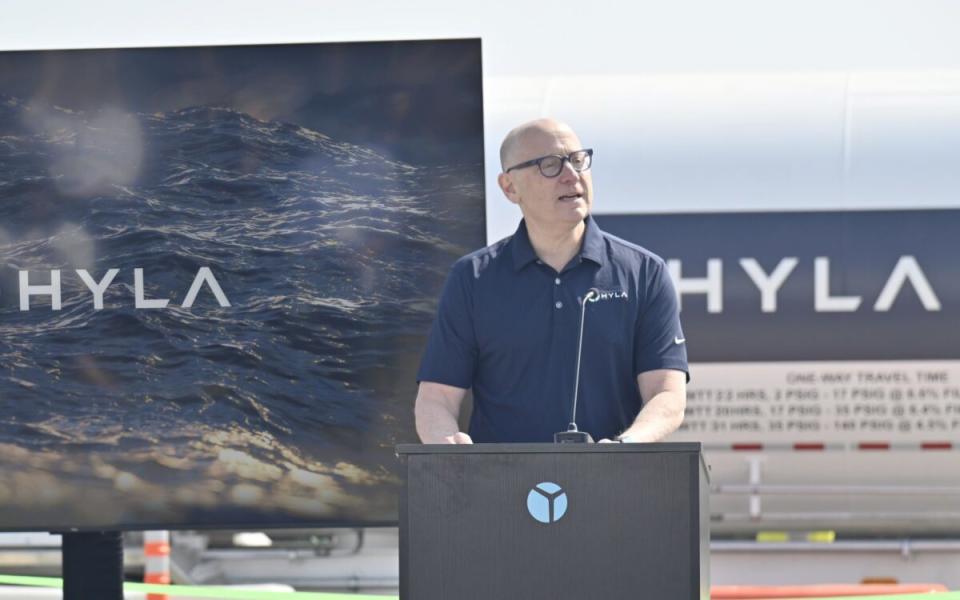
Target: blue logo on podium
{"x": 547, "y": 502}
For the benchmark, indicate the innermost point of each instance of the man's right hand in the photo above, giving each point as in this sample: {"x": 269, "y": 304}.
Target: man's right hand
{"x": 458, "y": 438}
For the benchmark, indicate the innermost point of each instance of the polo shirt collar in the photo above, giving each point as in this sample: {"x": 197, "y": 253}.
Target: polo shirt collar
{"x": 593, "y": 245}
{"x": 592, "y": 249}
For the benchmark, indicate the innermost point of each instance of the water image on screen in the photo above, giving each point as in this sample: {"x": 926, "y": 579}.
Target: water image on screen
{"x": 218, "y": 267}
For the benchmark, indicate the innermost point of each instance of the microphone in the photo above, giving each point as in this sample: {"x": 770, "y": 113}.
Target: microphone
{"x": 572, "y": 435}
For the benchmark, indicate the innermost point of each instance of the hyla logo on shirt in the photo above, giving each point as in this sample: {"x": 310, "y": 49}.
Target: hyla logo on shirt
{"x": 547, "y": 502}
{"x": 609, "y": 295}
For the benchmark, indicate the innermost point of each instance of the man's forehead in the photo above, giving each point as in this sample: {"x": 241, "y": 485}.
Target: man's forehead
{"x": 547, "y": 140}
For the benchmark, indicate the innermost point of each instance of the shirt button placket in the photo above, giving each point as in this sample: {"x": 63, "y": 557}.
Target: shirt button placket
{"x": 556, "y": 293}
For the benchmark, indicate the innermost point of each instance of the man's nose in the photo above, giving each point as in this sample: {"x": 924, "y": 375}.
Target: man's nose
{"x": 568, "y": 174}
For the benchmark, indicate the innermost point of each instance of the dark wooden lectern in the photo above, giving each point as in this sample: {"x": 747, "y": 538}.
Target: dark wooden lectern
{"x": 554, "y": 521}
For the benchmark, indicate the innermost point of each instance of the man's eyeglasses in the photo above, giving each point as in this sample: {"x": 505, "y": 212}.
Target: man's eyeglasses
{"x": 551, "y": 165}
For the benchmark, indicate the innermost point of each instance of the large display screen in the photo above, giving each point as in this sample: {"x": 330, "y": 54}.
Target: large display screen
{"x": 218, "y": 267}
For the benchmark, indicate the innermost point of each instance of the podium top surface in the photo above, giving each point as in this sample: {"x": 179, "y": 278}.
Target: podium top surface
{"x": 546, "y": 448}
{"x": 404, "y": 450}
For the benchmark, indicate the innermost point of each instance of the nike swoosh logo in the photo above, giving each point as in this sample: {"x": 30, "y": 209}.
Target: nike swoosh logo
{"x": 679, "y": 340}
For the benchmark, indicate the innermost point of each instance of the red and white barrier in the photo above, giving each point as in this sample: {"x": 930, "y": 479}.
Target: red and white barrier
{"x": 156, "y": 560}
{"x": 866, "y": 446}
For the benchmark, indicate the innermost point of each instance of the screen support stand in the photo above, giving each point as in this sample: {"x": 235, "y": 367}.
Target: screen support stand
{"x": 93, "y": 565}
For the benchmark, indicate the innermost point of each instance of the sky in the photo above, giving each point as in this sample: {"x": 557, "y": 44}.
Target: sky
{"x": 537, "y": 38}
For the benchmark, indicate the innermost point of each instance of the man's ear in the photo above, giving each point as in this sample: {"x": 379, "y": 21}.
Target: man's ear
{"x": 508, "y": 188}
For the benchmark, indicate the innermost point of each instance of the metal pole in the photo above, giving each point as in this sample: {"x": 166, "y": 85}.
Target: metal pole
{"x": 834, "y": 489}
{"x": 93, "y": 565}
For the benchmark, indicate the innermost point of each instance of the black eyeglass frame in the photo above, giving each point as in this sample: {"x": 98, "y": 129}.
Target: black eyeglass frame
{"x": 537, "y": 161}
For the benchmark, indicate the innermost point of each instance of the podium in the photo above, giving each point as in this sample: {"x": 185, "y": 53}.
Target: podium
{"x": 554, "y": 521}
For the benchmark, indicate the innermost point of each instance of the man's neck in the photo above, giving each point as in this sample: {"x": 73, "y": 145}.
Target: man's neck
{"x": 556, "y": 246}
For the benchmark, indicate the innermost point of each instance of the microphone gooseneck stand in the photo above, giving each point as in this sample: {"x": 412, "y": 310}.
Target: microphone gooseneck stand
{"x": 572, "y": 435}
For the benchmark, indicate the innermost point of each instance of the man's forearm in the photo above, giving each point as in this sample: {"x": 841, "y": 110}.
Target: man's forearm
{"x": 660, "y": 416}
{"x": 435, "y": 422}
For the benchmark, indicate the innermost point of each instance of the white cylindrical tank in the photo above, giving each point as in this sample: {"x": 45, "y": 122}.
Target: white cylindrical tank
{"x": 744, "y": 141}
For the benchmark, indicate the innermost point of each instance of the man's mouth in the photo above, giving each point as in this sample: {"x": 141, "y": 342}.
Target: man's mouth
{"x": 571, "y": 197}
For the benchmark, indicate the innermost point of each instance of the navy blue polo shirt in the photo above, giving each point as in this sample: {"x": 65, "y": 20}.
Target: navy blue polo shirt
{"x": 507, "y": 327}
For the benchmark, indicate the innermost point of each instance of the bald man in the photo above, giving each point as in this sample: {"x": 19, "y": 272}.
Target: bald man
{"x": 508, "y": 320}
